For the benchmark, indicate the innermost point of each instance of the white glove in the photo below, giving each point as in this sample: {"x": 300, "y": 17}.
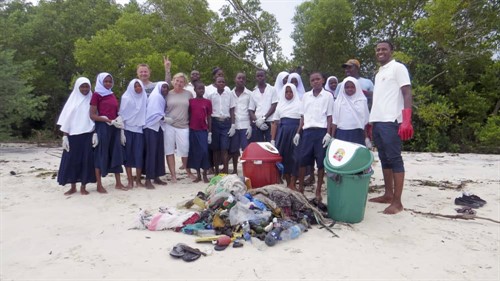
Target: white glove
{"x": 249, "y": 133}
{"x": 232, "y": 130}
{"x": 123, "y": 139}
{"x": 261, "y": 120}
{"x": 65, "y": 143}
{"x": 368, "y": 143}
{"x": 296, "y": 139}
{"x": 209, "y": 138}
{"x": 273, "y": 143}
{"x": 264, "y": 127}
{"x": 168, "y": 120}
{"x": 326, "y": 140}
{"x": 95, "y": 140}
{"x": 118, "y": 122}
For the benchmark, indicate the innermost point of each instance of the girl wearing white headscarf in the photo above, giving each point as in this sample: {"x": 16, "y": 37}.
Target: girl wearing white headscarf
{"x": 285, "y": 125}
{"x": 154, "y": 163}
{"x": 331, "y": 86}
{"x": 280, "y": 81}
{"x": 350, "y": 112}
{"x": 77, "y": 161}
{"x": 133, "y": 113}
{"x": 108, "y": 155}
{"x": 295, "y": 79}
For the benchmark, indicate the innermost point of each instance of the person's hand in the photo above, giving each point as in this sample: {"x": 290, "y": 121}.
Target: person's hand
{"x": 264, "y": 127}
{"x": 232, "y": 130}
{"x": 168, "y": 120}
{"x": 108, "y": 121}
{"x": 368, "y": 143}
{"x": 249, "y": 133}
{"x": 118, "y": 122}
{"x": 209, "y": 138}
{"x": 123, "y": 139}
{"x": 167, "y": 63}
{"x": 65, "y": 143}
{"x": 296, "y": 139}
{"x": 369, "y": 130}
{"x": 405, "y": 131}
{"x": 95, "y": 140}
{"x": 326, "y": 140}
{"x": 261, "y": 120}
{"x": 273, "y": 143}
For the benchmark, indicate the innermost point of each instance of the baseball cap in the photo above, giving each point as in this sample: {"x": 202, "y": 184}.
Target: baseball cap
{"x": 351, "y": 62}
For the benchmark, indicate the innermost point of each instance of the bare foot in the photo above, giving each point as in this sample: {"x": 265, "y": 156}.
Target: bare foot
{"x": 394, "y": 208}
{"x": 205, "y": 179}
{"x": 101, "y": 189}
{"x": 160, "y": 182}
{"x": 173, "y": 180}
{"x": 382, "y": 199}
{"x": 139, "y": 184}
{"x": 182, "y": 167}
{"x": 191, "y": 176}
{"x": 83, "y": 191}
{"x": 121, "y": 187}
{"x": 69, "y": 192}
{"x": 130, "y": 185}
{"x": 149, "y": 185}
{"x": 197, "y": 180}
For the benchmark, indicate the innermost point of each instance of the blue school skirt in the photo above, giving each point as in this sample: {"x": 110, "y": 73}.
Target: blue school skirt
{"x": 77, "y": 165}
{"x": 154, "y": 163}
{"x": 355, "y": 135}
{"x": 108, "y": 155}
{"x": 134, "y": 150}
{"x": 284, "y": 142}
{"x": 198, "y": 157}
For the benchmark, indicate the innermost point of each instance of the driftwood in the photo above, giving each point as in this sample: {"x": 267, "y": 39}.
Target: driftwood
{"x": 459, "y": 216}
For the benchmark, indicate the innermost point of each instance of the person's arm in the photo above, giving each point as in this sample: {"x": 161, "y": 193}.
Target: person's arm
{"x": 274, "y": 129}
{"x": 334, "y": 128}
{"x": 94, "y": 116}
{"x": 407, "y": 96}
{"x": 271, "y": 110}
{"x": 167, "y": 64}
{"x": 233, "y": 117}
{"x": 252, "y": 115}
{"x": 301, "y": 124}
{"x": 329, "y": 125}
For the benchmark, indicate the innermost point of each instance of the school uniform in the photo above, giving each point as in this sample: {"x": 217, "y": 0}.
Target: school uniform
{"x": 221, "y": 118}
{"x": 199, "y": 111}
{"x": 108, "y": 155}
{"x": 242, "y": 121}
{"x": 77, "y": 164}
{"x": 288, "y": 113}
{"x": 260, "y": 103}
{"x": 154, "y": 163}
{"x": 300, "y": 87}
{"x": 133, "y": 112}
{"x": 316, "y": 110}
{"x": 350, "y": 114}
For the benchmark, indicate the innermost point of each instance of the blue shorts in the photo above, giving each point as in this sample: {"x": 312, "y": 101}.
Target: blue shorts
{"x": 220, "y": 139}
{"x": 311, "y": 147}
{"x": 238, "y": 141}
{"x": 386, "y": 138}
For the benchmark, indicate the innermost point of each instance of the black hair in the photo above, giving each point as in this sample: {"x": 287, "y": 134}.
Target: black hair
{"x": 215, "y": 70}
{"x": 197, "y": 82}
{"x": 388, "y": 43}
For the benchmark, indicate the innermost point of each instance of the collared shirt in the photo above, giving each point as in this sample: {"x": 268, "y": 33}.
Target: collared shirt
{"x": 221, "y": 103}
{"x": 190, "y": 88}
{"x": 241, "y": 110}
{"x": 261, "y": 102}
{"x": 388, "y": 101}
{"x": 317, "y": 109}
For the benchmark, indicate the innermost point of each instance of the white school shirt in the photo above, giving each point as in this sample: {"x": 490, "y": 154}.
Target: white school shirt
{"x": 221, "y": 103}
{"x": 261, "y": 102}
{"x": 317, "y": 109}
{"x": 241, "y": 110}
{"x": 189, "y": 87}
{"x": 388, "y": 101}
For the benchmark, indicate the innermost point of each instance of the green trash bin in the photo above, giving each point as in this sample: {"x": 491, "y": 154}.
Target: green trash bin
{"x": 346, "y": 164}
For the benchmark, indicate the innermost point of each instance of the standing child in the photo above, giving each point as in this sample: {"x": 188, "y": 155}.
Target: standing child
{"x": 200, "y": 126}
{"x": 108, "y": 155}
{"x": 296, "y": 80}
{"x": 261, "y": 108}
{"x": 153, "y": 135}
{"x": 133, "y": 113}
{"x": 285, "y": 125}
{"x": 315, "y": 126}
{"x": 350, "y": 112}
{"x": 77, "y": 162}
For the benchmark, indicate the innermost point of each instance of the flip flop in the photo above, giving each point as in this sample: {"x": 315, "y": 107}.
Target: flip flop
{"x": 465, "y": 201}
{"x": 177, "y": 251}
{"x": 475, "y": 198}
{"x": 220, "y": 247}
{"x": 189, "y": 256}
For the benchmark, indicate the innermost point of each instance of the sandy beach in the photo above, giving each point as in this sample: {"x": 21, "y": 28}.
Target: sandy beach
{"x": 48, "y": 236}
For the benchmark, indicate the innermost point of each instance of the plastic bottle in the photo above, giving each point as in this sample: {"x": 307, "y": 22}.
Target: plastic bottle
{"x": 273, "y": 236}
{"x": 292, "y": 232}
{"x": 204, "y": 232}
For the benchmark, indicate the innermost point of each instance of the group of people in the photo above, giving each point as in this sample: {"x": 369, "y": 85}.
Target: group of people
{"x": 208, "y": 125}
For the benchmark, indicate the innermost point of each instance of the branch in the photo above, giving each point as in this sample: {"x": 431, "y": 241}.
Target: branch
{"x": 461, "y": 216}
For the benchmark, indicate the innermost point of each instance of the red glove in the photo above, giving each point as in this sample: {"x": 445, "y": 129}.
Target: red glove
{"x": 406, "y": 129}
{"x": 369, "y": 131}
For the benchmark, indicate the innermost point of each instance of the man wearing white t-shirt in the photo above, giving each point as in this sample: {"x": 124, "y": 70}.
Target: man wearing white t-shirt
{"x": 262, "y": 105}
{"x": 391, "y": 119}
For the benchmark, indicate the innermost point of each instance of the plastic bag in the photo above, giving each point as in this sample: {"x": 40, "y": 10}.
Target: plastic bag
{"x": 240, "y": 213}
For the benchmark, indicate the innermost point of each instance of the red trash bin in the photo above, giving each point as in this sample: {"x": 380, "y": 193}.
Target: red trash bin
{"x": 259, "y": 163}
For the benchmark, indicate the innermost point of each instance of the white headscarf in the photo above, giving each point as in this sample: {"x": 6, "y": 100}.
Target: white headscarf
{"x": 289, "y": 108}
{"x": 75, "y": 116}
{"x": 133, "y": 105}
{"x": 300, "y": 88}
{"x": 327, "y": 85}
{"x": 156, "y": 105}
{"x": 278, "y": 85}
{"x": 99, "y": 86}
{"x": 356, "y": 104}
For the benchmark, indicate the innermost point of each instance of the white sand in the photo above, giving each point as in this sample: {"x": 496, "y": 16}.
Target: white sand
{"x": 48, "y": 236}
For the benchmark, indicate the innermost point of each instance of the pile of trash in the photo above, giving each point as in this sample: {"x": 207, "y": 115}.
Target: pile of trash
{"x": 229, "y": 212}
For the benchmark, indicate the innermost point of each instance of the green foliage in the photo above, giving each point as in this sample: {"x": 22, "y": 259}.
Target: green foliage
{"x": 489, "y": 135}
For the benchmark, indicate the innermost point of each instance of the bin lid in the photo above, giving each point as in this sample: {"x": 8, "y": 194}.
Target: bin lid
{"x": 343, "y": 157}
{"x": 264, "y": 151}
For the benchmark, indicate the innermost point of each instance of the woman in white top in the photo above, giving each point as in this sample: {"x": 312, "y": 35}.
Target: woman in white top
{"x": 280, "y": 81}
{"x": 296, "y": 80}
